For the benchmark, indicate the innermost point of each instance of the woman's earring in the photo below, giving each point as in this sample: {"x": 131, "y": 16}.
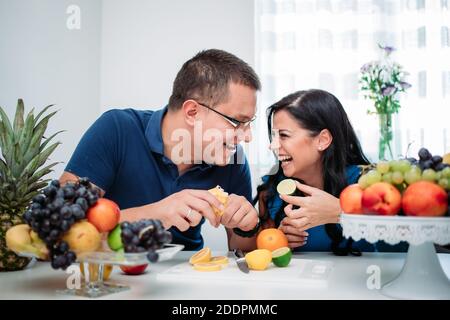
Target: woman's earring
{"x": 320, "y": 148}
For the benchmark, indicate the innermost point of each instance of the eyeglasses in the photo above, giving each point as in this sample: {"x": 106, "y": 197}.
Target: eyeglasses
{"x": 234, "y": 122}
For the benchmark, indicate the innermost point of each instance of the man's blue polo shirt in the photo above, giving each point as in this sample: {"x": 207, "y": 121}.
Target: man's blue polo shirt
{"x": 122, "y": 153}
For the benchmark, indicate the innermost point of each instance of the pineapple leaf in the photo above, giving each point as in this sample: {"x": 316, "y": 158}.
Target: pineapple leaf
{"x": 27, "y": 132}
{"x": 40, "y": 158}
{"x": 43, "y": 111}
{"x": 42, "y": 172}
{"x": 4, "y": 139}
{"x": 5, "y": 121}
{"x": 38, "y": 133}
{"x": 34, "y": 187}
{"x": 24, "y": 151}
{"x": 47, "y": 140}
{"x": 3, "y": 169}
{"x": 47, "y": 152}
{"x": 16, "y": 165}
{"x": 45, "y": 119}
{"x": 18, "y": 119}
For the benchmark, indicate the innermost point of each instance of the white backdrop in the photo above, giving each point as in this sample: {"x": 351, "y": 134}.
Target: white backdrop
{"x": 125, "y": 54}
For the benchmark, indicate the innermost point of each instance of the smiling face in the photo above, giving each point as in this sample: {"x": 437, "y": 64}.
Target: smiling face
{"x": 220, "y": 137}
{"x": 294, "y": 146}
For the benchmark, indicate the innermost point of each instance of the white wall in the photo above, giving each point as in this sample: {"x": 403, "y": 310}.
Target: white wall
{"x": 44, "y": 62}
{"x": 144, "y": 44}
{"x": 126, "y": 53}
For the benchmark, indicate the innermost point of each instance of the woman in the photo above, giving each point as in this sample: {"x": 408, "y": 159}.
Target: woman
{"x": 317, "y": 146}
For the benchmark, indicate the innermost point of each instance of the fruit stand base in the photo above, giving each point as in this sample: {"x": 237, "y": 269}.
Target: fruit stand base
{"x": 422, "y": 276}
{"x": 95, "y": 290}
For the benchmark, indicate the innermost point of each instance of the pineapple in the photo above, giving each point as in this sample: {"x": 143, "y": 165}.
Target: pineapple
{"x": 23, "y": 153}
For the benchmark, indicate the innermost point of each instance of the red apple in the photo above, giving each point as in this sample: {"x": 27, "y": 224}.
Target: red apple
{"x": 381, "y": 198}
{"x": 424, "y": 198}
{"x": 134, "y": 270}
{"x": 104, "y": 215}
{"x": 351, "y": 199}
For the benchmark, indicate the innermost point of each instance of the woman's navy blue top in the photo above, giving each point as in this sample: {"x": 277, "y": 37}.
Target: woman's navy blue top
{"x": 318, "y": 239}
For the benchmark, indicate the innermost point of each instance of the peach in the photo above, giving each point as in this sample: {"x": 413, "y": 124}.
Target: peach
{"x": 351, "y": 199}
{"x": 424, "y": 198}
{"x": 381, "y": 198}
{"x": 104, "y": 215}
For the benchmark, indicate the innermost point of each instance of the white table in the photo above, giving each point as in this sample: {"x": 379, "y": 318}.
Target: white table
{"x": 347, "y": 281}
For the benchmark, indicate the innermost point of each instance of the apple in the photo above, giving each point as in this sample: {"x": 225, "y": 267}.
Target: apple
{"x": 104, "y": 215}
{"x": 351, "y": 199}
{"x": 381, "y": 198}
{"x": 115, "y": 239}
{"x": 424, "y": 198}
{"x": 134, "y": 270}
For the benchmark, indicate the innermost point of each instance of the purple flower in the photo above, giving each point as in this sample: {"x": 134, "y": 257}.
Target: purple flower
{"x": 366, "y": 67}
{"x": 387, "y": 49}
{"x": 388, "y": 90}
{"x": 405, "y": 85}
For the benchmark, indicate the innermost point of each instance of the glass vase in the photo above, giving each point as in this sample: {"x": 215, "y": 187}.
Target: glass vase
{"x": 385, "y": 137}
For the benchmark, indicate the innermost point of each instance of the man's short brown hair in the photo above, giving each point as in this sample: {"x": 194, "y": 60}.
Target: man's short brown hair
{"x": 207, "y": 76}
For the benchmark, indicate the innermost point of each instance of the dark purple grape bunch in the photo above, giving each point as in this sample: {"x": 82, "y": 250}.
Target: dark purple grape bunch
{"x": 144, "y": 236}
{"x": 53, "y": 211}
{"x": 428, "y": 161}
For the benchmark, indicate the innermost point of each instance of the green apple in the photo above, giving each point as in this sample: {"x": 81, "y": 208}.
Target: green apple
{"x": 115, "y": 239}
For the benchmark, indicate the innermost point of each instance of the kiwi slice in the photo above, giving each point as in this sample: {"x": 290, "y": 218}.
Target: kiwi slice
{"x": 287, "y": 187}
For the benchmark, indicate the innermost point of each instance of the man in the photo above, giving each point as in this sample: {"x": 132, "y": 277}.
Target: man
{"x": 160, "y": 164}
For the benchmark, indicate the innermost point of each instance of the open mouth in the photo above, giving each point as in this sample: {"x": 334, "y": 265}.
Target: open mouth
{"x": 285, "y": 159}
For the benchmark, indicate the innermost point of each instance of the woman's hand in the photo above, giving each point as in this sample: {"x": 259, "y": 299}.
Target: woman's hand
{"x": 296, "y": 238}
{"x": 316, "y": 209}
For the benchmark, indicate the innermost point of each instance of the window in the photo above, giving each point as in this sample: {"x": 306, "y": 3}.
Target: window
{"x": 326, "y": 42}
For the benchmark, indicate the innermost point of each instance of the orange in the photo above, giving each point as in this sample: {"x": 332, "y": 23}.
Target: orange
{"x": 207, "y": 266}
{"x": 219, "y": 260}
{"x": 201, "y": 256}
{"x": 271, "y": 239}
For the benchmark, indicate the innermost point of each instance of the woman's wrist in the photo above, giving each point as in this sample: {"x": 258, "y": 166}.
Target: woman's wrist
{"x": 337, "y": 212}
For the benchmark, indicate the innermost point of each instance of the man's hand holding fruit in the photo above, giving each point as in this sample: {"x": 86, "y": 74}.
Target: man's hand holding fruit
{"x": 239, "y": 213}
{"x": 183, "y": 209}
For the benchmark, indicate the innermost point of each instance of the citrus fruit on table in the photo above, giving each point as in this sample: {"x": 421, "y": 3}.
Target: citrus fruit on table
{"x": 222, "y": 260}
{"x": 207, "y": 266}
{"x": 258, "y": 259}
{"x": 287, "y": 187}
{"x": 204, "y": 255}
{"x": 282, "y": 257}
{"x": 271, "y": 239}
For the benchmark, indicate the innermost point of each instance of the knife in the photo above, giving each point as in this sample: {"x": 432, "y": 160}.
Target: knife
{"x": 240, "y": 260}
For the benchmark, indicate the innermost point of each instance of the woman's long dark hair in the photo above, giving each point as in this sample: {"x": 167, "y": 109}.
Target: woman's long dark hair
{"x": 316, "y": 110}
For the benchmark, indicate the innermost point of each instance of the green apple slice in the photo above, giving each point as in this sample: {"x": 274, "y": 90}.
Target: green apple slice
{"x": 282, "y": 257}
{"x": 287, "y": 187}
